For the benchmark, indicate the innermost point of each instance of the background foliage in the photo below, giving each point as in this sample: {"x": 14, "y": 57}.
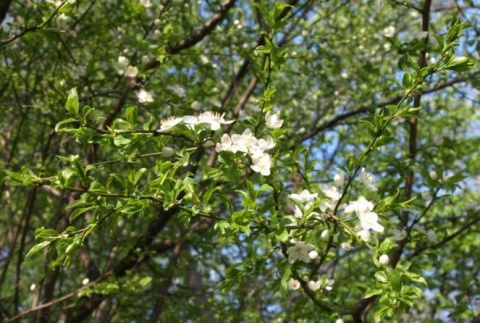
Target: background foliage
{"x": 119, "y": 228}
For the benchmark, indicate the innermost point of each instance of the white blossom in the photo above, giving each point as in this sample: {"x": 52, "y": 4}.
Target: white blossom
{"x": 131, "y": 71}
{"x": 144, "y": 96}
{"x": 293, "y": 284}
{"x": 244, "y": 141}
{"x": 361, "y": 205}
{"x": 215, "y": 119}
{"x": 262, "y": 145}
{"x": 195, "y": 105}
{"x": 225, "y": 143}
{"x": 85, "y": 281}
{"x": 168, "y": 123}
{"x": 363, "y": 210}
{"x": 305, "y": 196}
{"x": 146, "y": 3}
{"x": 122, "y": 64}
{"x": 262, "y": 164}
{"x": 389, "y": 31}
{"x": 332, "y": 193}
{"x": 367, "y": 180}
{"x": 33, "y": 287}
{"x": 299, "y": 252}
{"x": 273, "y": 120}
{"x": 330, "y": 283}
{"x": 364, "y": 235}
{"x": 370, "y": 221}
{"x": 314, "y": 285}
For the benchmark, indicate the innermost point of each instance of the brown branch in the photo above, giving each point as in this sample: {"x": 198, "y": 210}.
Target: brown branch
{"x": 198, "y": 35}
{"x": 446, "y": 239}
{"x": 46, "y": 305}
{"x": 405, "y": 4}
{"x": 4, "y": 5}
{"x": 32, "y": 28}
{"x": 202, "y": 32}
{"x": 162, "y": 291}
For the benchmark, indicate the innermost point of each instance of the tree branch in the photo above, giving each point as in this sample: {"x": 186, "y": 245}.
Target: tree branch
{"x": 4, "y": 5}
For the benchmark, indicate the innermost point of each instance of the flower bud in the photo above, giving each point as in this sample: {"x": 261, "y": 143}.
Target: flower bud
{"x": 313, "y": 254}
{"x": 433, "y": 175}
{"x": 325, "y": 235}
{"x": 85, "y": 281}
{"x": 339, "y": 179}
{"x": 33, "y": 287}
{"x": 346, "y": 246}
{"x": 383, "y": 260}
{"x": 167, "y": 152}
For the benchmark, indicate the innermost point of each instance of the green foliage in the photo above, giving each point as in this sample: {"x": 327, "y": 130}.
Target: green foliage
{"x": 239, "y": 162}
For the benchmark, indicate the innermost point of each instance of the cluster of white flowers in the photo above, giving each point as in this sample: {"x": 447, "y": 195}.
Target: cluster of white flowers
{"x": 254, "y": 147}
{"x": 246, "y": 142}
{"x": 324, "y": 282}
{"x": 368, "y": 219}
{"x": 124, "y": 67}
{"x": 249, "y": 144}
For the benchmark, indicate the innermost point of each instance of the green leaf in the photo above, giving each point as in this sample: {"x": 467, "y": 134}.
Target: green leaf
{"x": 380, "y": 313}
{"x": 145, "y": 281}
{"x": 122, "y": 139}
{"x": 72, "y": 102}
{"x": 394, "y": 278}
{"x": 131, "y": 115}
{"x": 381, "y": 277}
{"x": 38, "y": 247}
{"x": 46, "y": 233}
{"x": 61, "y": 123}
{"x": 282, "y": 234}
{"x": 387, "y": 245}
{"x": 372, "y": 291}
{"x": 208, "y": 194}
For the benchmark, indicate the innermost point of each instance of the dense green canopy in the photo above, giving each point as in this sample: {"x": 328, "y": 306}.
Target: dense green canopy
{"x": 239, "y": 161}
